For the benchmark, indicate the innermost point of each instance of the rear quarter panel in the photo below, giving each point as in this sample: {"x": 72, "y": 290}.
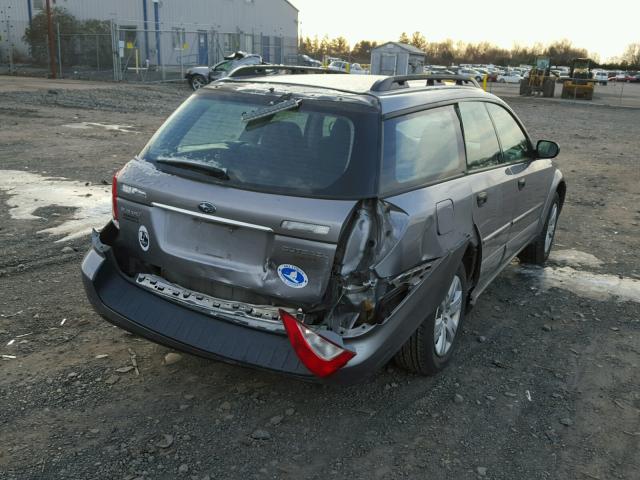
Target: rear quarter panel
{"x": 422, "y": 240}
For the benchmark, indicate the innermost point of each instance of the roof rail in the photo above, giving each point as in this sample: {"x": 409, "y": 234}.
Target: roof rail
{"x": 400, "y": 81}
{"x": 261, "y": 70}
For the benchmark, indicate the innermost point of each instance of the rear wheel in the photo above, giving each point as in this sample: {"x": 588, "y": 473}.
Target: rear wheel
{"x": 538, "y": 251}
{"x": 432, "y": 345}
{"x": 548, "y": 88}
{"x": 197, "y": 82}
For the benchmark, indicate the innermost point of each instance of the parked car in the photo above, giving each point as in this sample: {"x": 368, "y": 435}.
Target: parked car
{"x": 321, "y": 225}
{"x": 307, "y": 61}
{"x": 438, "y": 71}
{"x": 353, "y": 68}
{"x": 633, "y": 77}
{"x": 493, "y": 75}
{"x": 470, "y": 72}
{"x": 601, "y": 77}
{"x": 198, "y": 77}
{"x": 509, "y": 77}
{"x": 618, "y": 77}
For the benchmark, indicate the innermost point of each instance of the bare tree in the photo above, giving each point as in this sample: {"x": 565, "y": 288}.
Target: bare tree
{"x": 632, "y": 54}
{"x": 418, "y": 41}
{"x": 450, "y": 52}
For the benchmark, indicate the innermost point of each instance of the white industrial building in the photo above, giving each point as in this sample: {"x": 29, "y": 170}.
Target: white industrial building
{"x": 171, "y": 32}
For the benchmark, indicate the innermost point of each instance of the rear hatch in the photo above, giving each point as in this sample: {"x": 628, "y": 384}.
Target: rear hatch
{"x": 250, "y": 210}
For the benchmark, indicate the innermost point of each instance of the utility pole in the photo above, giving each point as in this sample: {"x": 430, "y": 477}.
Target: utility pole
{"x": 52, "y": 50}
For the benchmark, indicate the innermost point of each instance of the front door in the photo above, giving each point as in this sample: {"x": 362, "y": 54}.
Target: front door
{"x": 203, "y": 48}
{"x": 529, "y": 180}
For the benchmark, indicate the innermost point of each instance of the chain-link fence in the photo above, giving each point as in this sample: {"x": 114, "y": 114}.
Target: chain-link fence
{"x": 163, "y": 55}
{"x": 25, "y": 49}
{"x": 104, "y": 50}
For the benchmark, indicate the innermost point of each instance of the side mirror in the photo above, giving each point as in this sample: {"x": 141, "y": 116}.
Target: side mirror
{"x": 547, "y": 149}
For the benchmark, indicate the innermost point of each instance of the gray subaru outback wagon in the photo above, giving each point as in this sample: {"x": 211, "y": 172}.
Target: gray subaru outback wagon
{"x": 321, "y": 225}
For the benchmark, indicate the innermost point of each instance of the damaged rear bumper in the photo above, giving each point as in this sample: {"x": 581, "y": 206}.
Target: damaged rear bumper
{"x": 122, "y": 302}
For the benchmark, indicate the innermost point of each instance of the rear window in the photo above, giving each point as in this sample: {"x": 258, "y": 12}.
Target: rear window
{"x": 321, "y": 148}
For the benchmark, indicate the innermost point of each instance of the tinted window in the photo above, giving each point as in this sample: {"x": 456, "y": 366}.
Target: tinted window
{"x": 319, "y": 149}
{"x": 515, "y": 146}
{"x": 421, "y": 147}
{"x": 483, "y": 149}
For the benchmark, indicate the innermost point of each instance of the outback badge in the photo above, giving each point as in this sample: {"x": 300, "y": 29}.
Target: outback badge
{"x": 206, "y": 207}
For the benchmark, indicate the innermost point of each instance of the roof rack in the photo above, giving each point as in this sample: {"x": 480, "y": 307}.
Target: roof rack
{"x": 262, "y": 70}
{"x": 400, "y": 81}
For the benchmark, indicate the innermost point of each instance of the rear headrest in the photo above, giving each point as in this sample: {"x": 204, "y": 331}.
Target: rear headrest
{"x": 275, "y": 133}
{"x": 341, "y": 130}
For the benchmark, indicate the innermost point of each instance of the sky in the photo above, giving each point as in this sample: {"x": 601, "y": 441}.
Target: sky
{"x": 604, "y": 27}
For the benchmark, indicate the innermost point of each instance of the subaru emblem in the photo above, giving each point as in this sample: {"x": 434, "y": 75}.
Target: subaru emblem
{"x": 206, "y": 207}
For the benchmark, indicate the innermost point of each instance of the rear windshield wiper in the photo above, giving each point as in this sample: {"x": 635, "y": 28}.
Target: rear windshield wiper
{"x": 271, "y": 110}
{"x": 203, "y": 167}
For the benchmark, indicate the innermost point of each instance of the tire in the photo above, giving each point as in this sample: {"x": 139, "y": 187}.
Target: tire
{"x": 425, "y": 354}
{"x": 197, "y": 82}
{"x": 548, "y": 88}
{"x": 537, "y": 252}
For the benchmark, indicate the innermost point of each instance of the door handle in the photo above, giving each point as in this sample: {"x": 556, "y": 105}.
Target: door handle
{"x": 481, "y": 198}
{"x": 521, "y": 183}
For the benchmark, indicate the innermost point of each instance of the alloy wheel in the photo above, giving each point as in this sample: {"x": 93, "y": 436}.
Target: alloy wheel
{"x": 197, "y": 83}
{"x": 448, "y": 318}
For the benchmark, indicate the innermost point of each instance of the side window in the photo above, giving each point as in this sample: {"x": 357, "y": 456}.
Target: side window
{"x": 515, "y": 146}
{"x": 421, "y": 148}
{"x": 483, "y": 149}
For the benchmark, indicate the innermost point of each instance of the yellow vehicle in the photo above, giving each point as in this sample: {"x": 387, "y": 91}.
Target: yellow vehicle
{"x": 540, "y": 80}
{"x": 581, "y": 83}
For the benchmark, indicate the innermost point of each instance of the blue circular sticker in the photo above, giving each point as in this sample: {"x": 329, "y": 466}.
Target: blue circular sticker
{"x": 292, "y": 276}
{"x": 143, "y": 238}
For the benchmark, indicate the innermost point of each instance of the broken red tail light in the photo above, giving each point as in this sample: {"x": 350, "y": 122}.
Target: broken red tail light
{"x": 114, "y": 199}
{"x": 321, "y": 356}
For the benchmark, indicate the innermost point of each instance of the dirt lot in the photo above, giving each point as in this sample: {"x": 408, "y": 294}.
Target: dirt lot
{"x": 545, "y": 384}
{"x": 614, "y": 94}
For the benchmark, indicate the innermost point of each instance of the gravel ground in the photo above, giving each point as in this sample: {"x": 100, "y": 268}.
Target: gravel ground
{"x": 614, "y": 94}
{"x": 544, "y": 385}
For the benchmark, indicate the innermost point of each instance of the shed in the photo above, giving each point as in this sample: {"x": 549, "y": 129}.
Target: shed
{"x": 395, "y": 58}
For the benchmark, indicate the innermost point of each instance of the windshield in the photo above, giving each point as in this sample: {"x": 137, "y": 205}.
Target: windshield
{"x": 309, "y": 147}
{"x": 224, "y": 66}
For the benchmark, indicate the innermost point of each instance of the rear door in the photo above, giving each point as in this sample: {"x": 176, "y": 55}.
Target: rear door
{"x": 423, "y": 176}
{"x": 489, "y": 180}
{"x": 530, "y": 180}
